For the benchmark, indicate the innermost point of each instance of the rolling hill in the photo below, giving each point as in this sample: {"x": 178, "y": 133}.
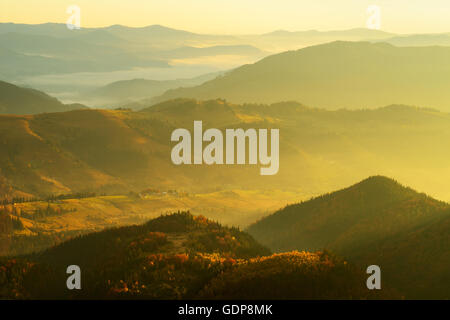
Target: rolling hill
{"x": 50, "y": 49}
{"x": 20, "y": 101}
{"x": 117, "y": 151}
{"x": 177, "y": 256}
{"x": 337, "y": 75}
{"x": 376, "y": 221}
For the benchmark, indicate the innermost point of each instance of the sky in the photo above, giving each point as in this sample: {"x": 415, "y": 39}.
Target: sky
{"x": 238, "y": 16}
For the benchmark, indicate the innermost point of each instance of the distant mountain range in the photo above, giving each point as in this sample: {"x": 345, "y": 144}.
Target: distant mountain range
{"x": 376, "y": 221}
{"x": 31, "y": 50}
{"x": 160, "y": 37}
{"x": 18, "y": 100}
{"x": 33, "y": 54}
{"x": 337, "y": 75}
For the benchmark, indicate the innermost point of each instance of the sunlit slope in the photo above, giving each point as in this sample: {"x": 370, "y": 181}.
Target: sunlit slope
{"x": 338, "y": 75}
{"x": 179, "y": 256}
{"x": 376, "y": 221}
{"x": 18, "y": 100}
{"x": 122, "y": 151}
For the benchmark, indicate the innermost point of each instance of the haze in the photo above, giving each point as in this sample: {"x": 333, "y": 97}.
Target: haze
{"x": 238, "y": 17}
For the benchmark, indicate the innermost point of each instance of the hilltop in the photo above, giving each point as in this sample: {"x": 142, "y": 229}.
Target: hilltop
{"x": 336, "y": 75}
{"x": 348, "y": 220}
{"x": 377, "y": 221}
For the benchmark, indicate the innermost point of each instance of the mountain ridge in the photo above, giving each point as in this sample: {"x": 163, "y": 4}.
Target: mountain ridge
{"x": 119, "y": 150}
{"x": 372, "y": 198}
{"x": 374, "y": 222}
{"x": 336, "y": 75}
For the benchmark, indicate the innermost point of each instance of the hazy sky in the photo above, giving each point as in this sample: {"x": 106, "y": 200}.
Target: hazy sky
{"x": 238, "y": 16}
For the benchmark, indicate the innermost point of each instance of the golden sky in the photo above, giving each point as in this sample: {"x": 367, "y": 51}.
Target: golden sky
{"x": 238, "y": 16}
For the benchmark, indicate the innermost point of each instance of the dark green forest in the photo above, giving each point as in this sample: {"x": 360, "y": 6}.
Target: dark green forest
{"x": 377, "y": 221}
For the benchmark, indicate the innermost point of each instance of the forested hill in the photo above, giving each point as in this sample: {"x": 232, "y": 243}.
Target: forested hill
{"x": 377, "y": 221}
{"x": 180, "y": 256}
{"x": 371, "y": 210}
